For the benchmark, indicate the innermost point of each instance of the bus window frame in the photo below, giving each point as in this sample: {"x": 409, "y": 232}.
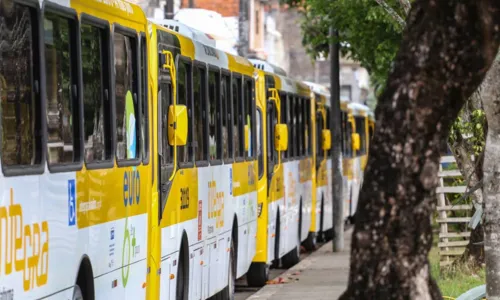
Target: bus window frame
{"x": 38, "y": 68}
{"x": 190, "y": 98}
{"x": 131, "y": 33}
{"x": 203, "y": 70}
{"x": 229, "y": 118}
{"x": 218, "y": 106}
{"x": 70, "y": 14}
{"x": 108, "y": 67}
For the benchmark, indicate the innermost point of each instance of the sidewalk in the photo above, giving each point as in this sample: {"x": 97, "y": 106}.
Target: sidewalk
{"x": 321, "y": 276}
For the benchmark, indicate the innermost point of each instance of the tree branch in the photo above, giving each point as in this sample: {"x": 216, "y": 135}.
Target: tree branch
{"x": 392, "y": 12}
{"x": 406, "y": 5}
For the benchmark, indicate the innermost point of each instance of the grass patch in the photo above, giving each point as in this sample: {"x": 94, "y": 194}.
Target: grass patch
{"x": 457, "y": 280}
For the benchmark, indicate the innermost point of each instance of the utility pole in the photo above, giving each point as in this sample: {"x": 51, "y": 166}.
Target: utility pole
{"x": 169, "y": 9}
{"x": 243, "y": 28}
{"x": 338, "y": 203}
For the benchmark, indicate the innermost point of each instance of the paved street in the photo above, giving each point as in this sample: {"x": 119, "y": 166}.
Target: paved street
{"x": 320, "y": 276}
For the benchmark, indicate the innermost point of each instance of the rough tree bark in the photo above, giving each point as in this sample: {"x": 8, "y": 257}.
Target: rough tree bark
{"x": 447, "y": 48}
{"x": 472, "y": 173}
{"x": 491, "y": 187}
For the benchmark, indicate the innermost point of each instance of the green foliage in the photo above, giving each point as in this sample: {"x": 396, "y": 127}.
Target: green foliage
{"x": 367, "y": 33}
{"x": 472, "y": 130}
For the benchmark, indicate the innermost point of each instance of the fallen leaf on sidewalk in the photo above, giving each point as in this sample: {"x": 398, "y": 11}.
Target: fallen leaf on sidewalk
{"x": 278, "y": 280}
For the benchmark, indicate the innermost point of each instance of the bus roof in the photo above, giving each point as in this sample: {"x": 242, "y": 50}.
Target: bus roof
{"x": 118, "y": 9}
{"x": 358, "y": 109}
{"x": 267, "y": 67}
{"x": 190, "y": 45}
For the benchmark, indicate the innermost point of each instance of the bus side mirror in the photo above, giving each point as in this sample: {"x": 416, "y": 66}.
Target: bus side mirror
{"x": 247, "y": 137}
{"x": 177, "y": 125}
{"x": 355, "y": 141}
{"x": 327, "y": 139}
{"x": 281, "y": 137}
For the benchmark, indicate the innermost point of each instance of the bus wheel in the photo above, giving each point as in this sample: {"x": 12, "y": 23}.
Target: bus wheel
{"x": 231, "y": 284}
{"x": 258, "y": 274}
{"x": 180, "y": 292}
{"x": 310, "y": 242}
{"x": 77, "y": 293}
{"x": 293, "y": 257}
{"x": 276, "y": 261}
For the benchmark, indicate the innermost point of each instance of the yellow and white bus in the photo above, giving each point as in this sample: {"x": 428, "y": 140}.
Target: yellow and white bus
{"x": 128, "y": 159}
{"x": 205, "y": 235}
{"x": 356, "y": 125}
{"x": 285, "y": 121}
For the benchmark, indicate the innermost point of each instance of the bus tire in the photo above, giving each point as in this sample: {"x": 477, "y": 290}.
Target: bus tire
{"x": 293, "y": 257}
{"x": 321, "y": 235}
{"x": 228, "y": 292}
{"x": 182, "y": 282}
{"x": 329, "y": 234}
{"x": 310, "y": 242}
{"x": 77, "y": 293}
{"x": 258, "y": 274}
{"x": 276, "y": 261}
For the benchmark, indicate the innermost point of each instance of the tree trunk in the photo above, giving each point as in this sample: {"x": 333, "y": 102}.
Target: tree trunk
{"x": 446, "y": 50}
{"x": 491, "y": 187}
{"x": 472, "y": 173}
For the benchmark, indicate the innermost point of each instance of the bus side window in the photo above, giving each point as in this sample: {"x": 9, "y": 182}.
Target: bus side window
{"x": 144, "y": 101}
{"x": 21, "y": 99}
{"x": 249, "y": 116}
{"x": 126, "y": 96}
{"x": 185, "y": 153}
{"x": 308, "y": 132}
{"x": 214, "y": 112}
{"x": 226, "y": 118}
{"x": 200, "y": 107}
{"x": 238, "y": 135}
{"x": 283, "y": 120}
{"x": 63, "y": 138}
{"x": 260, "y": 142}
{"x": 165, "y": 100}
{"x": 96, "y": 94}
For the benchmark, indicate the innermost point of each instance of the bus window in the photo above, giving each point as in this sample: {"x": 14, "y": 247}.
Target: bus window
{"x": 289, "y": 121}
{"x": 226, "y": 118}
{"x": 361, "y": 130}
{"x": 61, "y": 88}
{"x": 144, "y": 102}
{"x": 165, "y": 100}
{"x": 214, "y": 144}
{"x": 250, "y": 116}
{"x": 319, "y": 139}
{"x": 305, "y": 126}
{"x": 260, "y": 142}
{"x": 309, "y": 127}
{"x": 328, "y": 126}
{"x": 20, "y": 103}
{"x": 96, "y": 97}
{"x": 184, "y": 154}
{"x": 126, "y": 91}
{"x": 283, "y": 111}
{"x": 200, "y": 140}
{"x": 237, "y": 118}
{"x": 296, "y": 127}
